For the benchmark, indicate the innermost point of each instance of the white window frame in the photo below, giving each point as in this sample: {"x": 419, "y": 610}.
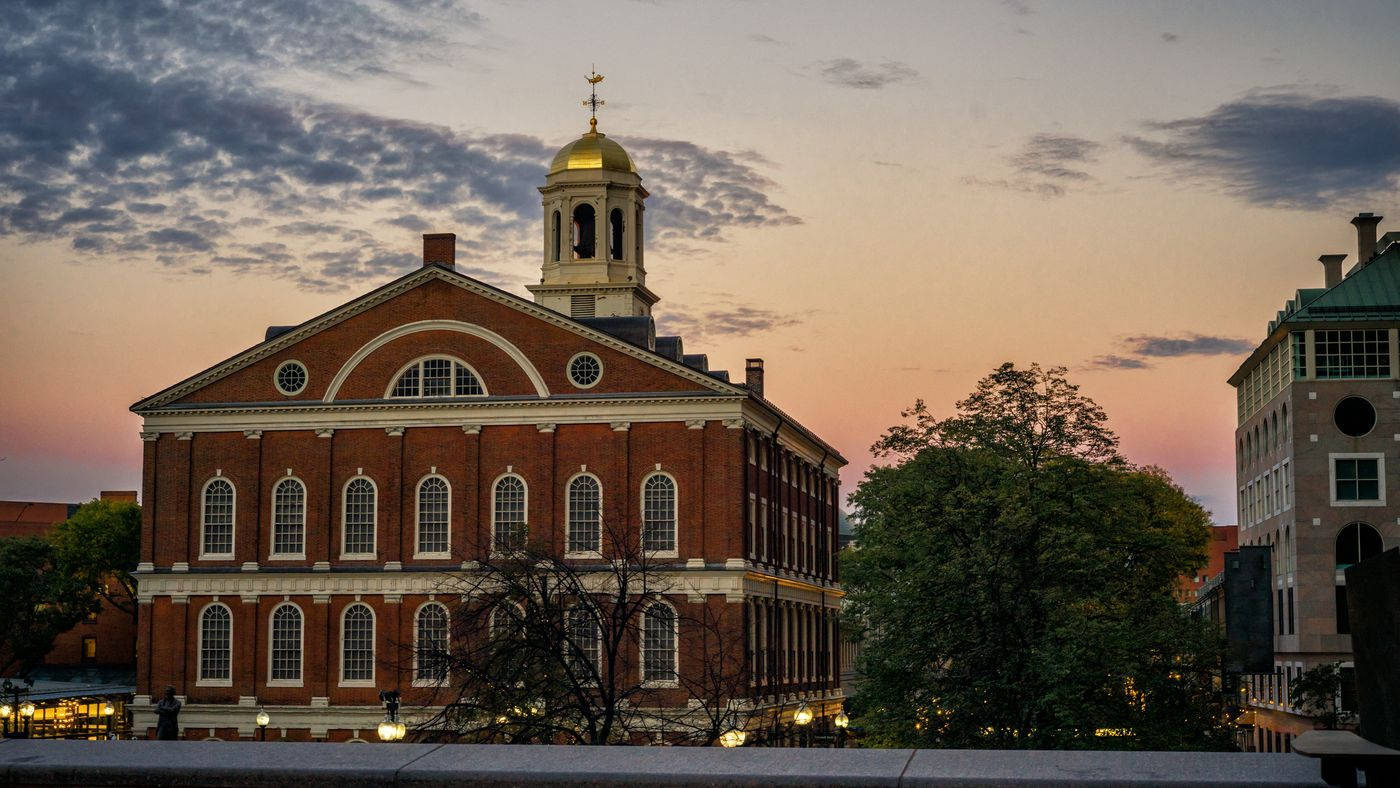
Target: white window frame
{"x": 344, "y": 524}
{"x": 201, "y": 681}
{"x": 674, "y": 552}
{"x": 277, "y": 378}
{"x": 418, "y": 518}
{"x": 301, "y": 646}
{"x": 569, "y": 370}
{"x": 675, "y": 648}
{"x": 417, "y": 362}
{"x": 1379, "y": 457}
{"x": 568, "y": 516}
{"x": 525, "y": 506}
{"x": 233, "y": 519}
{"x": 373, "y": 646}
{"x": 430, "y": 682}
{"x": 272, "y": 512}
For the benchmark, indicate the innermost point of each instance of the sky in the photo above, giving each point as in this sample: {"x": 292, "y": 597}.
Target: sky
{"x": 884, "y": 201}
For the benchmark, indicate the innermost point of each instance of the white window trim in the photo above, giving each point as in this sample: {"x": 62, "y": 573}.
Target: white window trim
{"x": 569, "y": 370}
{"x": 374, "y": 647}
{"x": 301, "y": 646}
{"x": 417, "y": 682}
{"x": 675, "y": 516}
{"x": 394, "y": 379}
{"x": 675, "y": 651}
{"x": 233, "y": 520}
{"x": 277, "y": 378}
{"x": 272, "y": 521}
{"x": 1379, "y": 457}
{"x": 526, "y": 509}
{"x": 200, "y": 681}
{"x": 345, "y": 531}
{"x": 418, "y": 514}
{"x": 568, "y": 517}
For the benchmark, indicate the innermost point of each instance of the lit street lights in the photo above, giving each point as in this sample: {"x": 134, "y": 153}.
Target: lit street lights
{"x": 391, "y": 729}
{"x": 262, "y": 719}
{"x": 12, "y": 710}
{"x": 107, "y": 711}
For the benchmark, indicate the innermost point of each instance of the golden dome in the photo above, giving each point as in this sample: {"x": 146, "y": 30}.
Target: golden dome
{"x": 592, "y": 151}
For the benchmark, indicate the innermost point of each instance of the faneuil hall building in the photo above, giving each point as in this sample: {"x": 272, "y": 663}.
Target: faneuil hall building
{"x": 305, "y": 498}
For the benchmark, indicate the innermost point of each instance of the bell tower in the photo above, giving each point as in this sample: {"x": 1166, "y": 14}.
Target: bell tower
{"x": 592, "y": 200}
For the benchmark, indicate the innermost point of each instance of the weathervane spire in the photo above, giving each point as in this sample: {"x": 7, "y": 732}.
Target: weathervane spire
{"x": 593, "y": 102}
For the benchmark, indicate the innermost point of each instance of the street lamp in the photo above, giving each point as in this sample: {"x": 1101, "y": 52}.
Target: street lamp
{"x": 841, "y": 720}
{"x": 388, "y": 730}
{"x": 107, "y": 711}
{"x": 391, "y": 729}
{"x": 26, "y": 710}
{"x": 802, "y": 718}
{"x": 733, "y": 738}
{"x": 262, "y": 719}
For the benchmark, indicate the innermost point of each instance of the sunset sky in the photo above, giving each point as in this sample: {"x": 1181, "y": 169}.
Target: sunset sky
{"x": 883, "y": 200}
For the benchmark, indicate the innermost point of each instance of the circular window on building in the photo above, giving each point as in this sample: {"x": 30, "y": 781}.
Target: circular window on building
{"x": 291, "y": 377}
{"x": 1354, "y": 416}
{"x": 585, "y": 370}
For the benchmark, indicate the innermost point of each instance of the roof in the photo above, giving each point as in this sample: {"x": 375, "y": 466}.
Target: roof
{"x": 592, "y": 151}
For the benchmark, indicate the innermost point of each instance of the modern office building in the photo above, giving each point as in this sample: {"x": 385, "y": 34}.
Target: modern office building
{"x": 1317, "y": 442}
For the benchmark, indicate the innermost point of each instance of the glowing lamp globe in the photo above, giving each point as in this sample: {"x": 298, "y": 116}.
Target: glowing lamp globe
{"x": 733, "y": 738}
{"x": 5, "y": 711}
{"x": 803, "y": 715}
{"x": 841, "y": 720}
{"x": 26, "y": 709}
{"x": 263, "y": 719}
{"x": 387, "y": 729}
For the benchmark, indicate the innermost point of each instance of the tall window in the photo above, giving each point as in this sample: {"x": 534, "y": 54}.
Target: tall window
{"x": 583, "y": 646}
{"x": 659, "y": 643}
{"x": 218, "y": 518}
{"x": 434, "y": 508}
{"x": 1300, "y": 355}
{"x": 585, "y": 515}
{"x": 659, "y": 513}
{"x": 1352, "y": 353}
{"x": 431, "y": 651}
{"x": 357, "y": 644}
{"x": 215, "y": 644}
{"x": 554, "y": 238}
{"x": 437, "y": 377}
{"x": 359, "y": 517}
{"x": 585, "y": 234}
{"x": 1357, "y": 479}
{"x": 615, "y": 233}
{"x": 1356, "y": 543}
{"x": 286, "y": 644}
{"x": 508, "y": 523}
{"x": 289, "y": 518}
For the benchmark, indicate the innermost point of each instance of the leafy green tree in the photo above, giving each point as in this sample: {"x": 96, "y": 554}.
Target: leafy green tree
{"x": 38, "y": 602}
{"x": 1317, "y": 692}
{"x": 100, "y": 545}
{"x": 1014, "y": 580}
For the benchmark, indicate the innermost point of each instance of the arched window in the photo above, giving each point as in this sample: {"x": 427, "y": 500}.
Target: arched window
{"x": 437, "y": 376}
{"x": 508, "y": 521}
{"x": 1273, "y": 429}
{"x": 430, "y": 651}
{"x": 507, "y": 620}
{"x": 289, "y": 518}
{"x": 215, "y": 645}
{"x": 637, "y": 237}
{"x": 585, "y": 515}
{"x": 554, "y": 238}
{"x": 434, "y": 510}
{"x": 615, "y": 233}
{"x": 659, "y": 643}
{"x": 357, "y": 645}
{"x": 585, "y": 232}
{"x": 285, "y": 645}
{"x": 1356, "y": 543}
{"x": 584, "y": 645}
{"x": 659, "y": 513}
{"x": 217, "y": 523}
{"x": 1248, "y": 448}
{"x": 360, "y": 513}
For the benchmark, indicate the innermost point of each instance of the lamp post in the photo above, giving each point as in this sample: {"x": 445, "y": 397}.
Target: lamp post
{"x": 107, "y": 711}
{"x": 733, "y": 738}
{"x": 803, "y": 718}
{"x": 12, "y": 710}
{"x": 26, "y": 710}
{"x": 262, "y": 719}
{"x": 841, "y": 721}
{"x": 391, "y": 729}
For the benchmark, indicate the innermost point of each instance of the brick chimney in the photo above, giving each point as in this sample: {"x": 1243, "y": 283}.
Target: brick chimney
{"x": 1366, "y": 235}
{"x": 1331, "y": 268}
{"x": 440, "y": 248}
{"x": 753, "y": 376}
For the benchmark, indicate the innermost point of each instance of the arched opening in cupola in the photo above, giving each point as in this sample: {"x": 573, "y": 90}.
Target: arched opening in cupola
{"x": 554, "y": 239}
{"x": 585, "y": 233}
{"x": 615, "y": 233}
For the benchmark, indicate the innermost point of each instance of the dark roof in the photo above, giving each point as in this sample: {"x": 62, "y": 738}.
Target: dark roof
{"x": 276, "y": 331}
{"x": 639, "y": 330}
{"x": 718, "y": 374}
{"x": 698, "y": 361}
{"x": 670, "y": 347}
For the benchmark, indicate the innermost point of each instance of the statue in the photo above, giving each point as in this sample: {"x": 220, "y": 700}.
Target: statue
{"x": 168, "y": 717}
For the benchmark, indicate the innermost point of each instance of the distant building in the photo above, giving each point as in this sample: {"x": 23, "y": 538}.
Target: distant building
{"x": 1223, "y": 539}
{"x": 1315, "y": 448}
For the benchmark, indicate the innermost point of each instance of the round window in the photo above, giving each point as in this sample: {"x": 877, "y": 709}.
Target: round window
{"x": 291, "y": 377}
{"x": 585, "y": 370}
{"x": 1354, "y": 416}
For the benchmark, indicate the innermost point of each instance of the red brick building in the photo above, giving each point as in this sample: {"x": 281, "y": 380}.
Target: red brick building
{"x": 304, "y": 497}
{"x": 1223, "y": 539}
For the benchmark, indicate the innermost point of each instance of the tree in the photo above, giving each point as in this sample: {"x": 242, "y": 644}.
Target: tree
{"x": 1317, "y": 692}
{"x": 100, "y": 546}
{"x": 546, "y": 648}
{"x": 1014, "y": 582}
{"x": 38, "y": 602}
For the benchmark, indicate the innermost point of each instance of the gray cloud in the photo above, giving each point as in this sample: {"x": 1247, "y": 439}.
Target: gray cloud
{"x": 1112, "y": 361}
{"x": 737, "y": 320}
{"x": 1170, "y": 38}
{"x": 1285, "y": 148}
{"x": 1191, "y": 345}
{"x": 141, "y": 130}
{"x": 1046, "y": 166}
{"x": 848, "y": 73}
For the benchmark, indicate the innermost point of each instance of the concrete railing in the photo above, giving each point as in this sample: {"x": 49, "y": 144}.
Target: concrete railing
{"x": 311, "y": 765}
